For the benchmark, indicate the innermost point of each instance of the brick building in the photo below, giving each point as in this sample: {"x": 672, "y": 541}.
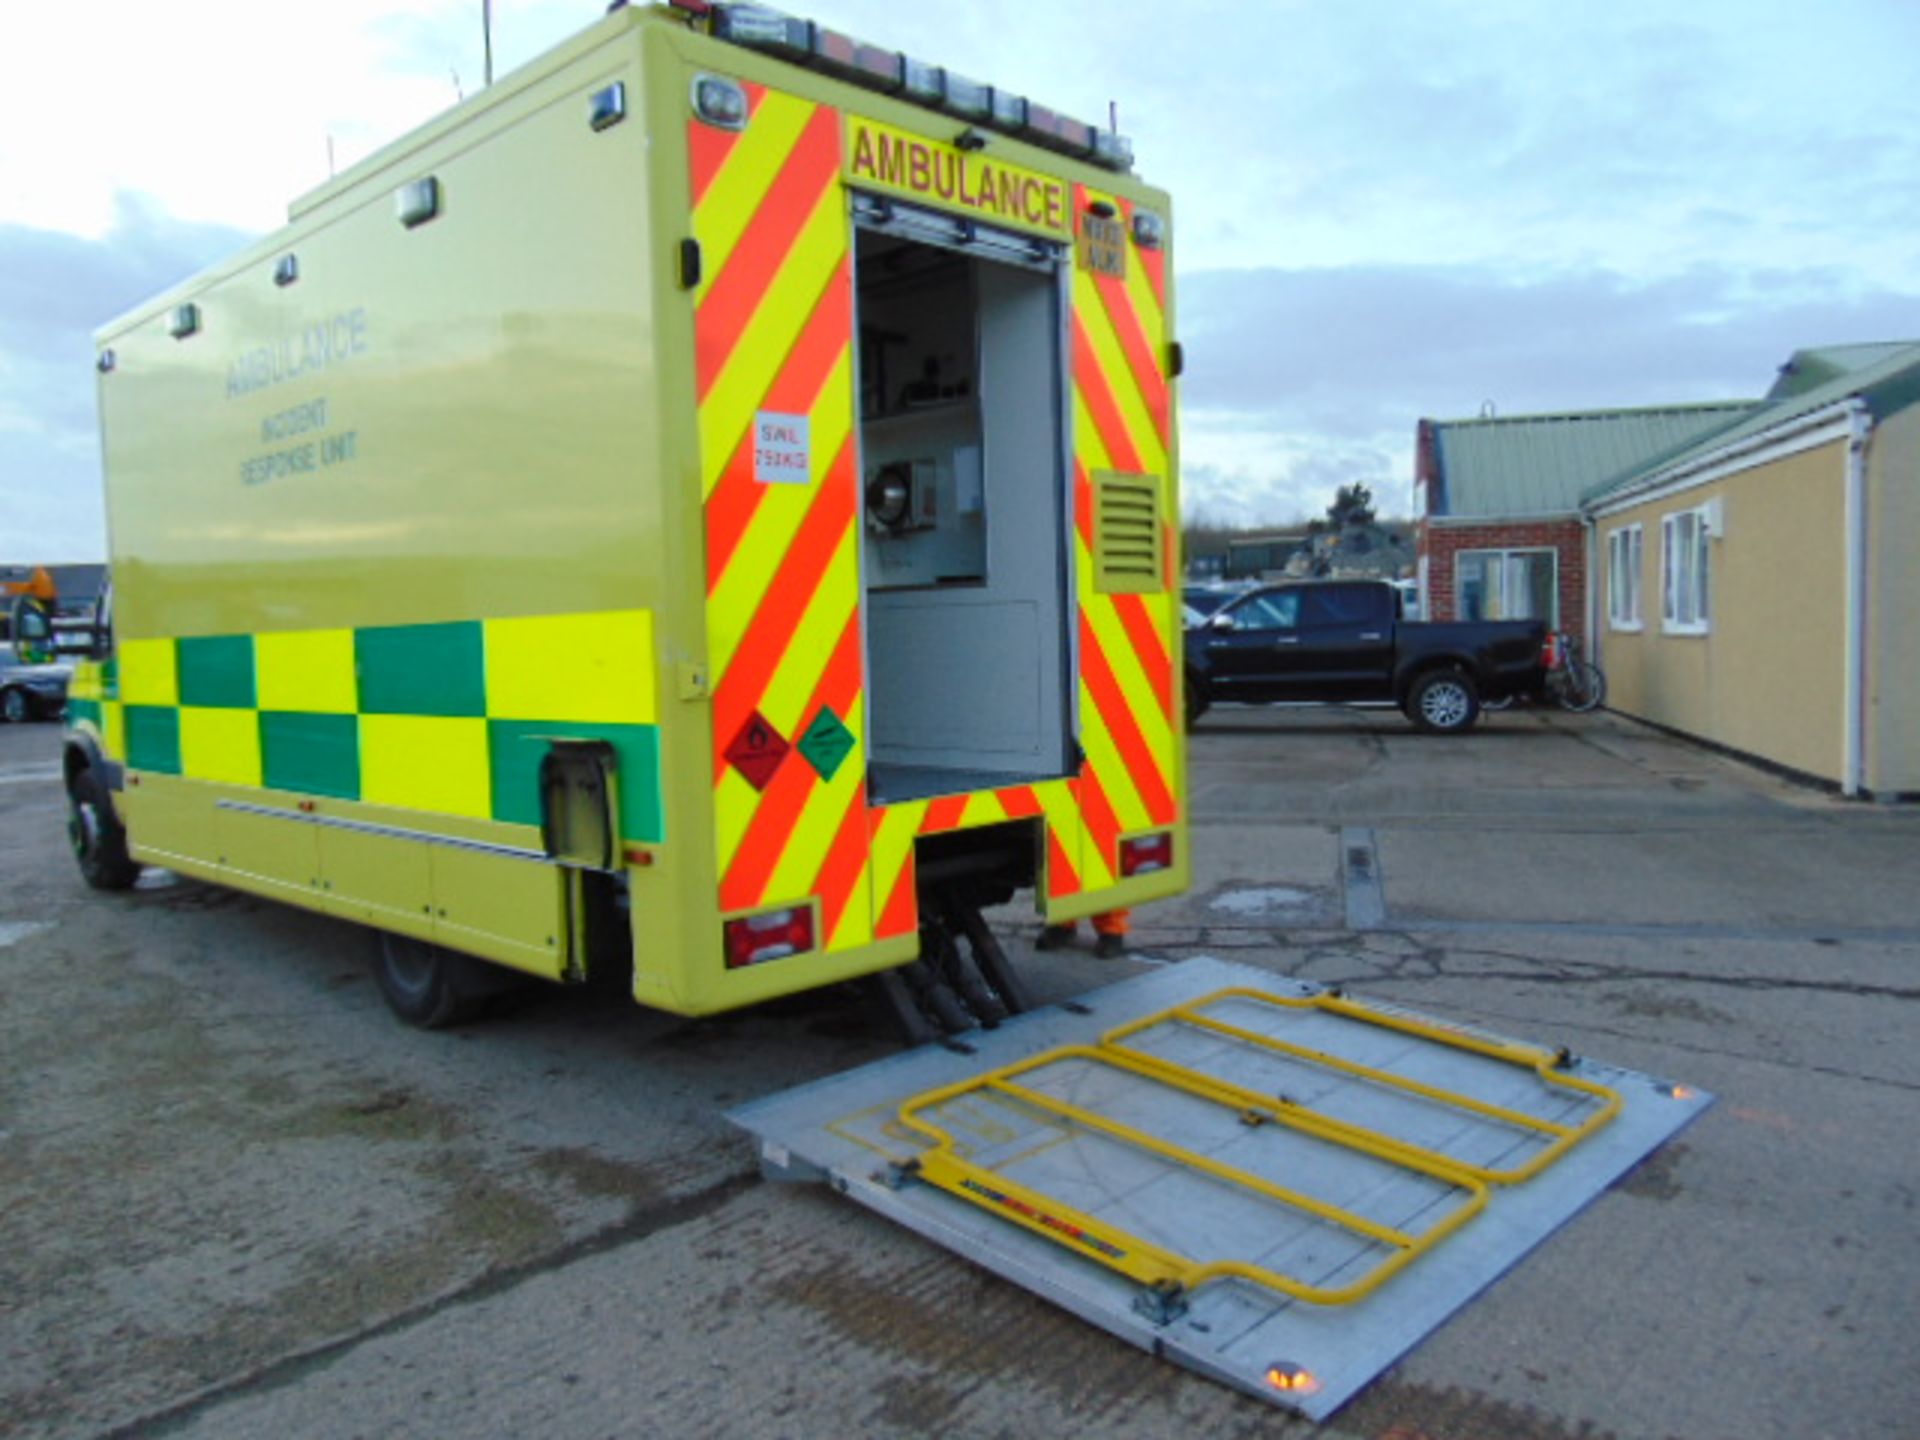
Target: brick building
{"x": 1501, "y": 532}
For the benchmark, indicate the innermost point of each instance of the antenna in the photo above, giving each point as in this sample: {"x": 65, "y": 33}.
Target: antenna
{"x": 1487, "y": 410}
{"x": 330, "y": 170}
{"x": 458, "y": 93}
{"x": 486, "y": 38}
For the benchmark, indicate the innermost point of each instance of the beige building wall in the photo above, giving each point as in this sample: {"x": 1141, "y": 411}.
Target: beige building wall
{"x": 1768, "y": 676}
{"x": 1893, "y": 609}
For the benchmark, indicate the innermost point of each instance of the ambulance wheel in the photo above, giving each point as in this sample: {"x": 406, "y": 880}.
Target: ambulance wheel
{"x": 430, "y": 986}
{"x": 99, "y": 842}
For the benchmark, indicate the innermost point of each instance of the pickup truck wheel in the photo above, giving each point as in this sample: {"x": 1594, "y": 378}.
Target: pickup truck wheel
{"x": 1443, "y": 702}
{"x": 1196, "y": 701}
{"x": 99, "y": 842}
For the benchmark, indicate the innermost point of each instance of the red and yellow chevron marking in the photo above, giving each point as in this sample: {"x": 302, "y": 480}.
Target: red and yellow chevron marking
{"x": 773, "y": 328}
{"x": 1123, "y": 421}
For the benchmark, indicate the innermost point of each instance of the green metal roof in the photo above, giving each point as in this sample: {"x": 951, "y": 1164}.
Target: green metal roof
{"x": 1885, "y": 377}
{"x": 1543, "y": 464}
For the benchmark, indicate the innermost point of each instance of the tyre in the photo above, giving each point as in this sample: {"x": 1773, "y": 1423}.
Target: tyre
{"x": 14, "y": 708}
{"x": 1586, "y": 688}
{"x": 432, "y": 987}
{"x": 98, "y": 839}
{"x": 1196, "y": 701}
{"x": 1443, "y": 702}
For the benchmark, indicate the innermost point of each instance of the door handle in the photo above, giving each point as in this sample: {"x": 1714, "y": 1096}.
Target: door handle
{"x": 1286, "y": 639}
{"x": 1369, "y": 634}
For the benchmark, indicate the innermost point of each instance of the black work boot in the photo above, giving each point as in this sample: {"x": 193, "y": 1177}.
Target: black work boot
{"x": 1054, "y": 937}
{"x": 1109, "y": 947}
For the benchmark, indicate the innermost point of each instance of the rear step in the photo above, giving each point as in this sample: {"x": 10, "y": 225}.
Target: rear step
{"x": 1273, "y": 1183}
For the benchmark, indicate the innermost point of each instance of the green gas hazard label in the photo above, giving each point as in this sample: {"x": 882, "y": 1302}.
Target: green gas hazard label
{"x": 826, "y": 743}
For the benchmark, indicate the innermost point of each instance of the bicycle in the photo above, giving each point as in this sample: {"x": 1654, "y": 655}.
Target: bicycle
{"x": 1573, "y": 682}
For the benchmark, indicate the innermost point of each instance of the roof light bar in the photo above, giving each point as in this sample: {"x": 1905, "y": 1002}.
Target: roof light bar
{"x": 764, "y": 28}
{"x": 857, "y": 60}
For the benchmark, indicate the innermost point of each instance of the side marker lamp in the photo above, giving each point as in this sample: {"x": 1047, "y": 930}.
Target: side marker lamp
{"x": 607, "y": 106}
{"x": 184, "y": 321}
{"x": 417, "y": 201}
{"x": 1292, "y": 1378}
{"x": 1149, "y": 230}
{"x": 719, "y": 102}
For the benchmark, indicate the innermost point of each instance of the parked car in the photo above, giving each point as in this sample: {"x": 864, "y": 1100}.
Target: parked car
{"x": 31, "y": 692}
{"x": 1343, "y": 640}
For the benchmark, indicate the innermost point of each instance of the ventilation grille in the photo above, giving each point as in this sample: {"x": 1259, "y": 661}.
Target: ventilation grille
{"x": 1128, "y": 537}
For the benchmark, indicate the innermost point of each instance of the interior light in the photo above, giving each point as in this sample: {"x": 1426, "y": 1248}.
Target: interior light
{"x": 720, "y": 102}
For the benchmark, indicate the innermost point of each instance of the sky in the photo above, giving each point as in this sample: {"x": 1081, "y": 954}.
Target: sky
{"x": 1383, "y": 209}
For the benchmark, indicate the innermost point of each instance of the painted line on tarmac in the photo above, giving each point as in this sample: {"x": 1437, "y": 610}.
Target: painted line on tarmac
{"x": 1360, "y": 871}
{"x": 27, "y": 777}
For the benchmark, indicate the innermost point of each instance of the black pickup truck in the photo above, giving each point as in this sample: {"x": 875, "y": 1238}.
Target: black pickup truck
{"x": 1343, "y": 640}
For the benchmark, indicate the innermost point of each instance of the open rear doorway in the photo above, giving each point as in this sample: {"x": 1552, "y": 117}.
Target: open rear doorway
{"x": 965, "y": 557}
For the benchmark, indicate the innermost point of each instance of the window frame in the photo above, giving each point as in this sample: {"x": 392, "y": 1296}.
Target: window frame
{"x": 1685, "y": 561}
{"x": 1626, "y": 562}
{"x": 1504, "y": 552}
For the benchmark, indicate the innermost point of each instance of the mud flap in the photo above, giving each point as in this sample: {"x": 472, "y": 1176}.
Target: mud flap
{"x": 1274, "y": 1184}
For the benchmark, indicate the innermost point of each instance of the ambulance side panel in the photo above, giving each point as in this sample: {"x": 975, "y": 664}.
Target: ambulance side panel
{"x": 386, "y": 522}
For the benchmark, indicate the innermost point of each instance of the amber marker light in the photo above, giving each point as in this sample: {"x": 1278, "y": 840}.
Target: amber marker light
{"x": 1292, "y": 1378}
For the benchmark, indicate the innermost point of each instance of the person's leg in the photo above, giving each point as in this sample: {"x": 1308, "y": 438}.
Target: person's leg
{"x": 1055, "y": 937}
{"x": 1110, "y": 927}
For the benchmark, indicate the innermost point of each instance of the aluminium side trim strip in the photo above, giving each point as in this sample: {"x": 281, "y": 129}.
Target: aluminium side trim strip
{"x": 393, "y": 832}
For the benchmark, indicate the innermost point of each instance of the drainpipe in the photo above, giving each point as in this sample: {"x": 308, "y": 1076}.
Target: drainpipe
{"x": 1591, "y": 569}
{"x": 1854, "y": 720}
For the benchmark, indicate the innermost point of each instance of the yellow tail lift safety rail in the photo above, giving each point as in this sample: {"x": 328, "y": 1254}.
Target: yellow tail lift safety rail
{"x": 1150, "y": 1264}
{"x": 1546, "y": 1064}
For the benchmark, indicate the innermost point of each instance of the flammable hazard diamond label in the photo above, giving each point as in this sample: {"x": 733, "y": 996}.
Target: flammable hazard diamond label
{"x": 827, "y": 743}
{"x": 756, "y": 752}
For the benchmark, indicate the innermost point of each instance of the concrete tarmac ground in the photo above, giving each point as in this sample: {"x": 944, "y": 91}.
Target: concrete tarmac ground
{"x": 236, "y": 1198}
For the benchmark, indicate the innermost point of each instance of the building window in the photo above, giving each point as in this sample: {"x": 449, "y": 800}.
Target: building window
{"x": 1684, "y": 589}
{"x": 1507, "y": 585}
{"x": 1623, "y": 578}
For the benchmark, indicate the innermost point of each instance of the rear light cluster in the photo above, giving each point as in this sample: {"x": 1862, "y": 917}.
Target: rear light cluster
{"x": 895, "y": 74}
{"x": 770, "y": 935}
{"x": 1144, "y": 854}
